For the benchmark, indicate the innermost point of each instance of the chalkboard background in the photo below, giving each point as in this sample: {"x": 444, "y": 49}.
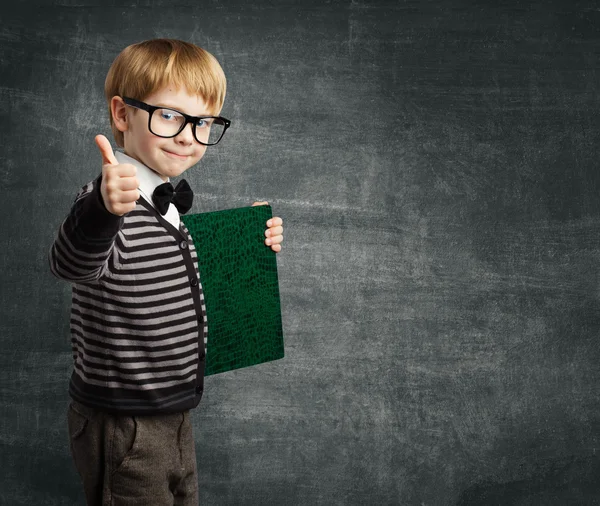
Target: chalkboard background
{"x": 436, "y": 167}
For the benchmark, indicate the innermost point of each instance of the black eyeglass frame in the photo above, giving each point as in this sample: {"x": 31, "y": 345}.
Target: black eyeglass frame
{"x": 188, "y": 119}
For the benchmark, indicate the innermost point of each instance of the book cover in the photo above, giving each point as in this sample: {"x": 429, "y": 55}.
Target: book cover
{"x": 238, "y": 273}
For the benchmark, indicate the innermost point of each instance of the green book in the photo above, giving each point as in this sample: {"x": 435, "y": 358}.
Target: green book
{"x": 238, "y": 273}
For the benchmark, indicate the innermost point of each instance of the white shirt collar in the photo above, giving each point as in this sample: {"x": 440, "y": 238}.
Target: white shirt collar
{"x": 149, "y": 180}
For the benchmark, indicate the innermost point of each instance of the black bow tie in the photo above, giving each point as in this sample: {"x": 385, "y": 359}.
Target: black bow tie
{"x": 181, "y": 197}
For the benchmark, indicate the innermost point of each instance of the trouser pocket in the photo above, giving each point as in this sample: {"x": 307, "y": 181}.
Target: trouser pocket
{"x": 86, "y": 445}
{"x": 125, "y": 442}
{"x": 78, "y": 421}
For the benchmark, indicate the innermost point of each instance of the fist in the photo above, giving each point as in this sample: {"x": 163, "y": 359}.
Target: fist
{"x": 119, "y": 182}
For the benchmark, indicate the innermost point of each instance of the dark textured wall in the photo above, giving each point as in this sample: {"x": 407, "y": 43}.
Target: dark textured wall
{"x": 436, "y": 167}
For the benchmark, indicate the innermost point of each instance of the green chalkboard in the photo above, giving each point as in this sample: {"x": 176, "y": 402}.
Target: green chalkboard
{"x": 239, "y": 278}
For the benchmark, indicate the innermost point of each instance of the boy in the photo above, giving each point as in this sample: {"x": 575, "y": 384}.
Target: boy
{"x": 138, "y": 321}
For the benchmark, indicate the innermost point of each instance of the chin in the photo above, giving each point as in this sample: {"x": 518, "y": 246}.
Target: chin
{"x": 173, "y": 169}
{"x": 176, "y": 172}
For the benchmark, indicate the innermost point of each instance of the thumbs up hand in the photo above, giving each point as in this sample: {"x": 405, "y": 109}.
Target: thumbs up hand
{"x": 119, "y": 182}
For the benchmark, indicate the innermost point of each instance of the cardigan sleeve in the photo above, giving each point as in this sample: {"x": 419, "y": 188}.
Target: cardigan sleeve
{"x": 86, "y": 238}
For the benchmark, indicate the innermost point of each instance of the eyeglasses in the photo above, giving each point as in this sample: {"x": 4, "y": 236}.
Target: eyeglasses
{"x": 207, "y": 130}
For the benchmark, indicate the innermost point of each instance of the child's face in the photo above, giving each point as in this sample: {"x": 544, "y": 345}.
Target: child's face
{"x": 168, "y": 157}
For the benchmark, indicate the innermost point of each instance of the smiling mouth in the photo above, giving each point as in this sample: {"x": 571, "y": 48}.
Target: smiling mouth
{"x": 178, "y": 156}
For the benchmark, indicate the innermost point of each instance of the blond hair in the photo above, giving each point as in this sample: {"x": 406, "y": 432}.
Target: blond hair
{"x": 143, "y": 68}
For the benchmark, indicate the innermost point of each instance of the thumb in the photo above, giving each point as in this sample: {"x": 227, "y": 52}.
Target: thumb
{"x": 108, "y": 157}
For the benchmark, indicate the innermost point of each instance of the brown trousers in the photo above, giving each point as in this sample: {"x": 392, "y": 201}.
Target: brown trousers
{"x": 133, "y": 460}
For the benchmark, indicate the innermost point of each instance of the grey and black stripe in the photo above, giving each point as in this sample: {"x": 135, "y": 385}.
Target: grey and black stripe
{"x": 138, "y": 318}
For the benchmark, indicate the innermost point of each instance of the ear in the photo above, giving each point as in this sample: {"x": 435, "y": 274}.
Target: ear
{"x": 118, "y": 109}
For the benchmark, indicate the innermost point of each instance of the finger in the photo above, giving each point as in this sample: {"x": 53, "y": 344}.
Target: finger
{"x": 264, "y": 203}
{"x": 121, "y": 209}
{"x": 273, "y": 222}
{"x": 116, "y": 183}
{"x": 129, "y": 183}
{"x": 276, "y": 248}
{"x": 120, "y": 198}
{"x": 126, "y": 170}
{"x": 274, "y": 240}
{"x": 128, "y": 196}
{"x": 108, "y": 157}
{"x": 270, "y": 232}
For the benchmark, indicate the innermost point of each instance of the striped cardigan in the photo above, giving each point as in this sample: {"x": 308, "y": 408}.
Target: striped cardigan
{"x": 138, "y": 319}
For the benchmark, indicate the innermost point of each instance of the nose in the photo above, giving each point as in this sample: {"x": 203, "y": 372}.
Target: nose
{"x": 186, "y": 136}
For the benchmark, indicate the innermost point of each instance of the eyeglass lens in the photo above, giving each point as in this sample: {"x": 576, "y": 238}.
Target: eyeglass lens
{"x": 168, "y": 123}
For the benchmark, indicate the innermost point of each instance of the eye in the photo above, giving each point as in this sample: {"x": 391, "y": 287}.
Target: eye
{"x": 205, "y": 122}
{"x": 167, "y": 115}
